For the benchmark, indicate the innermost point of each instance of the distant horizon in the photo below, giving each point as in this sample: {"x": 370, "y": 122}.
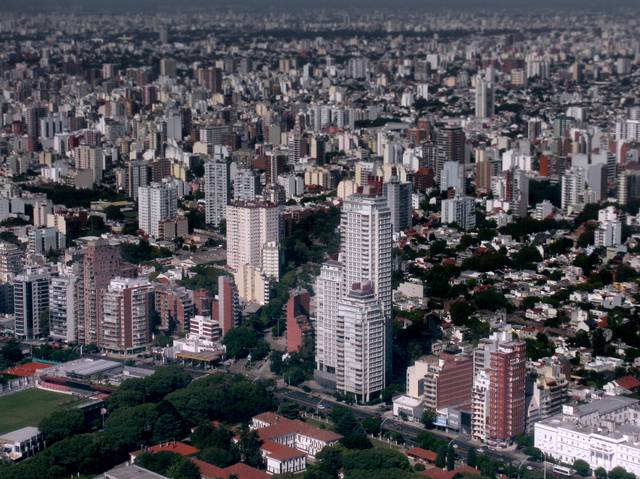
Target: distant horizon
{"x": 122, "y": 6}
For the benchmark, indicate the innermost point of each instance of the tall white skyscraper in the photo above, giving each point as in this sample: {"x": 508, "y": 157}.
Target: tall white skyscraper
{"x": 216, "y": 190}
{"x": 572, "y": 186}
{"x": 252, "y": 226}
{"x": 365, "y": 259}
{"x": 329, "y": 291}
{"x": 156, "y": 202}
{"x": 484, "y": 98}
{"x": 361, "y": 366}
{"x": 366, "y": 245}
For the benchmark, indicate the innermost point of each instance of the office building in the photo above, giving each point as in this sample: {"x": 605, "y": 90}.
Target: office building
{"x": 602, "y": 433}
{"x": 398, "y": 196}
{"x": 547, "y": 391}
{"x": 506, "y": 395}
{"x": 441, "y": 381}
{"x": 329, "y": 288}
{"x": 628, "y": 187}
{"x": 452, "y": 177}
{"x": 45, "y": 240}
{"x": 450, "y": 146}
{"x": 204, "y": 328}
{"x": 609, "y": 230}
{"x": 91, "y": 159}
{"x": 253, "y": 285}
{"x": 251, "y": 226}
{"x": 10, "y": 260}
{"x": 63, "y": 306}
{"x": 217, "y": 186}
{"x": 460, "y": 210}
{"x": 366, "y": 232}
{"x": 156, "y": 203}
{"x": 126, "y": 308}
{"x": 226, "y": 310}
{"x": 246, "y": 185}
{"x": 572, "y": 188}
{"x": 31, "y": 303}
{"x": 484, "y": 99}
{"x": 138, "y": 173}
{"x": 361, "y": 365}
{"x": 101, "y": 263}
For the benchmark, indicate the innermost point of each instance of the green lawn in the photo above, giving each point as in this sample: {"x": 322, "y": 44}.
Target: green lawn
{"x": 28, "y": 408}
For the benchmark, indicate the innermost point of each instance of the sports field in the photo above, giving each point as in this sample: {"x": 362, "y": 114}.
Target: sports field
{"x": 28, "y": 408}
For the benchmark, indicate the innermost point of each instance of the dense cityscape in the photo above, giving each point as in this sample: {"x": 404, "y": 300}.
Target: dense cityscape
{"x": 348, "y": 242}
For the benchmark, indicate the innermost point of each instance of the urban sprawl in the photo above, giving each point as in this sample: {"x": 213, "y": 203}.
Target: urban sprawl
{"x": 323, "y": 244}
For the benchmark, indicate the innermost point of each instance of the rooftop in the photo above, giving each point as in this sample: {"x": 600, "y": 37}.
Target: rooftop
{"x": 20, "y": 435}
{"x": 130, "y": 471}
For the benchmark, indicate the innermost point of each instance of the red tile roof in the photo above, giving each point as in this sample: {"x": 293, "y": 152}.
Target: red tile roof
{"x": 177, "y": 447}
{"x": 280, "y": 426}
{"x": 242, "y": 471}
{"x": 424, "y": 454}
{"x": 27, "y": 369}
{"x": 208, "y": 471}
{"x": 437, "y": 473}
{"x": 281, "y": 452}
{"x": 628, "y": 382}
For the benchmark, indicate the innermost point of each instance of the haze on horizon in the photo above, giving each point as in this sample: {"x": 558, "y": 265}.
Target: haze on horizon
{"x": 116, "y": 6}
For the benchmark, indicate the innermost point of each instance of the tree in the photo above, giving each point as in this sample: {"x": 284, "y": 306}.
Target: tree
{"x": 289, "y": 410}
{"x": 206, "y": 436}
{"x": 62, "y": 424}
{"x": 95, "y": 226}
{"x": 113, "y": 213}
{"x": 428, "y": 417}
{"x": 240, "y": 342}
{"x": 372, "y": 425}
{"x": 582, "y": 467}
{"x": 620, "y": 473}
{"x": 441, "y": 458}
{"x": 600, "y": 473}
{"x": 184, "y": 469}
{"x": 472, "y": 457}
{"x": 11, "y": 353}
{"x": 218, "y": 457}
{"x": 249, "y": 448}
{"x": 451, "y": 458}
{"x": 460, "y": 312}
{"x": 158, "y": 462}
{"x": 534, "y": 453}
{"x": 168, "y": 427}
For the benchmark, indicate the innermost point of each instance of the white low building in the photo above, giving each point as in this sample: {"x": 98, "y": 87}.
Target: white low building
{"x": 604, "y": 433}
{"x": 21, "y": 443}
{"x": 409, "y": 406}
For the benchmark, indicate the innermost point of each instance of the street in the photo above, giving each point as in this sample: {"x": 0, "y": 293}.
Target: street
{"x": 409, "y": 431}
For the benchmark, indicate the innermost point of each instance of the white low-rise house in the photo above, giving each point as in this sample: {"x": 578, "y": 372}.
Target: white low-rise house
{"x": 604, "y": 433}
{"x": 604, "y": 363}
{"x": 295, "y": 434}
{"x": 409, "y": 406}
{"x": 281, "y": 459}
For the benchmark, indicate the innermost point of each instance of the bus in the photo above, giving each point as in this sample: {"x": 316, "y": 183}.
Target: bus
{"x": 562, "y": 470}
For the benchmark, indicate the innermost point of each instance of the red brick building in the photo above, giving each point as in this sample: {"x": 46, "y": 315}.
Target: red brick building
{"x": 506, "y": 418}
{"x": 298, "y": 325}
